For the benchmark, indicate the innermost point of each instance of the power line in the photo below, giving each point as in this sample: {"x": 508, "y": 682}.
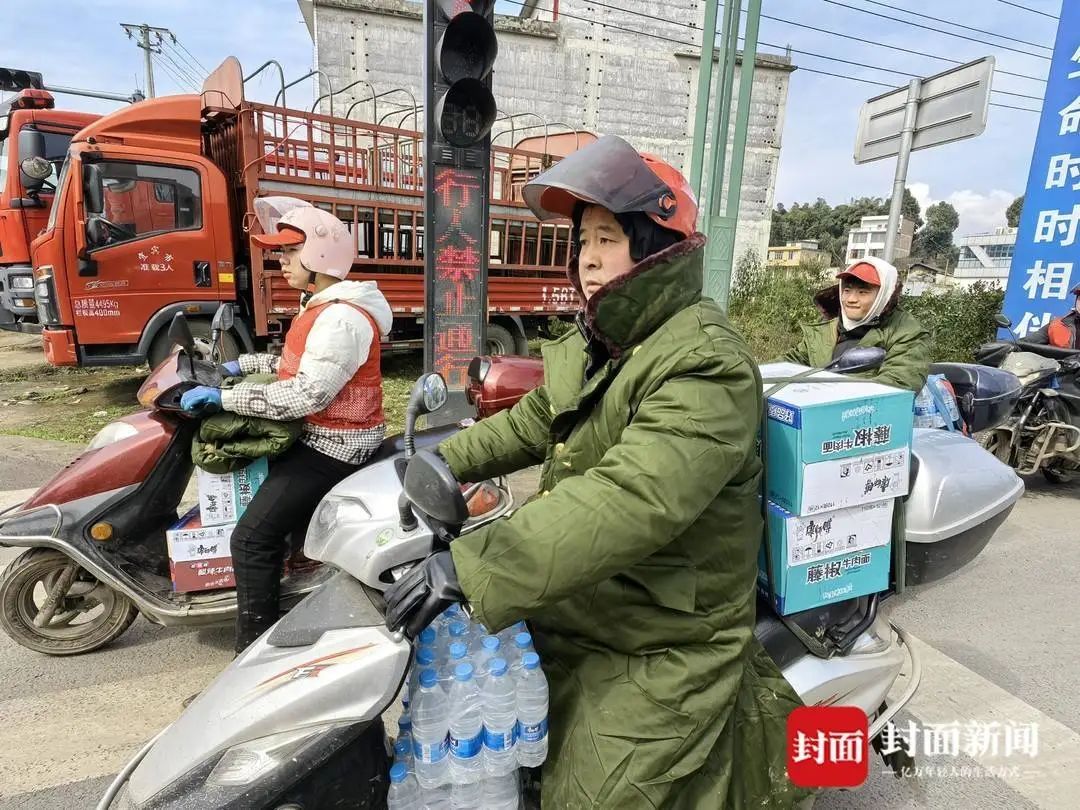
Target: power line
{"x": 189, "y": 53}
{"x": 864, "y": 41}
{"x": 931, "y": 28}
{"x": 762, "y": 42}
{"x": 1028, "y": 8}
{"x": 959, "y": 25}
{"x": 185, "y": 73}
{"x": 184, "y": 85}
{"x": 893, "y": 87}
{"x": 197, "y": 72}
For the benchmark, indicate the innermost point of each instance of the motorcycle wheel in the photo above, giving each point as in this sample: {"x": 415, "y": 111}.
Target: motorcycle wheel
{"x": 1059, "y": 472}
{"x": 88, "y": 616}
{"x": 994, "y": 442}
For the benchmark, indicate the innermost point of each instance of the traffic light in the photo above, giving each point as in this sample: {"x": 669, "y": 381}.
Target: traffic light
{"x": 461, "y": 53}
{"x": 12, "y": 80}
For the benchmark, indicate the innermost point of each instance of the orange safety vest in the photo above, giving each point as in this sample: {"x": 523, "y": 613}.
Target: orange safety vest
{"x": 358, "y": 406}
{"x": 1061, "y": 334}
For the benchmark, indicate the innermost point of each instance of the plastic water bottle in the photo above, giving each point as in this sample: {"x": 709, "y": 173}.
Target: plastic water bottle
{"x": 467, "y": 797}
{"x": 436, "y": 798}
{"x": 489, "y": 648}
{"x": 522, "y": 644}
{"x": 506, "y": 635}
{"x": 403, "y": 794}
{"x": 532, "y": 712}
{"x": 500, "y": 719}
{"x": 404, "y": 728}
{"x": 459, "y": 654}
{"x": 502, "y": 792}
{"x": 466, "y": 727}
{"x": 403, "y": 754}
{"x": 458, "y": 633}
{"x": 431, "y": 713}
{"x": 425, "y": 659}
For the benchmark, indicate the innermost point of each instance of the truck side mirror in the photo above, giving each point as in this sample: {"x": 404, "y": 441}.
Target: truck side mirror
{"x": 93, "y": 190}
{"x": 31, "y": 146}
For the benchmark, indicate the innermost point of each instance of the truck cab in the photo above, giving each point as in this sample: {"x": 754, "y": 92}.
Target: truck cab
{"x": 34, "y": 136}
{"x": 140, "y": 231}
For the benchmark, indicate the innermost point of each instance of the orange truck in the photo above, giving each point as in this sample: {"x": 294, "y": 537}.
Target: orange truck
{"x": 154, "y": 216}
{"x": 30, "y": 127}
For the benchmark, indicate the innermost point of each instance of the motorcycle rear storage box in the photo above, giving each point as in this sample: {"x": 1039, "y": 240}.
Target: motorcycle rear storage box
{"x": 960, "y": 495}
{"x": 984, "y": 395}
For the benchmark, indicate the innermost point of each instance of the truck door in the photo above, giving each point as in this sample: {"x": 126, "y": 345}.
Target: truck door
{"x": 147, "y": 242}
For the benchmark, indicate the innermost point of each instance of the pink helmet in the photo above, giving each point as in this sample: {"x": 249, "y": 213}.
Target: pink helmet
{"x": 327, "y": 245}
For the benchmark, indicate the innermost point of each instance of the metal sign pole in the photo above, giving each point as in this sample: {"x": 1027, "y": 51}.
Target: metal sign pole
{"x": 907, "y": 136}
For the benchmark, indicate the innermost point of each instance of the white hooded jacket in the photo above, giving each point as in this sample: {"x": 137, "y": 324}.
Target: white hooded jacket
{"x": 338, "y": 344}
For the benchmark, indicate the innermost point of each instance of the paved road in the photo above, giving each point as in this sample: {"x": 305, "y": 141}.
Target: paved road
{"x": 1001, "y": 642}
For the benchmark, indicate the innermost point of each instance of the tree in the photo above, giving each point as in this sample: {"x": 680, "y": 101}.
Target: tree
{"x": 934, "y": 242}
{"x": 910, "y": 209}
{"x": 1012, "y": 213}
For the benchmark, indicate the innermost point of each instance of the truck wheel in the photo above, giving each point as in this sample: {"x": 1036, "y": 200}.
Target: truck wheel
{"x": 500, "y": 340}
{"x": 161, "y": 347}
{"x": 88, "y": 614}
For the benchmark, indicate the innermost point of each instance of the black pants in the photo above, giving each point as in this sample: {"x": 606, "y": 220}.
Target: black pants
{"x": 284, "y": 503}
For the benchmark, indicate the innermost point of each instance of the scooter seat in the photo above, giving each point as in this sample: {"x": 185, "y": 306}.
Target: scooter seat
{"x": 783, "y": 646}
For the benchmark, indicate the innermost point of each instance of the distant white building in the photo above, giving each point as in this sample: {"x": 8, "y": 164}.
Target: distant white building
{"x": 985, "y": 258}
{"x": 868, "y": 238}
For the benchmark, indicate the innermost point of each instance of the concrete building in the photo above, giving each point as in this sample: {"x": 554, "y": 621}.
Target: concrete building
{"x": 868, "y": 238}
{"x": 985, "y": 258}
{"x": 803, "y": 251}
{"x": 569, "y": 64}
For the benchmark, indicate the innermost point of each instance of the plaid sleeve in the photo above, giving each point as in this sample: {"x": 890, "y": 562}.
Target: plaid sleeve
{"x": 259, "y": 363}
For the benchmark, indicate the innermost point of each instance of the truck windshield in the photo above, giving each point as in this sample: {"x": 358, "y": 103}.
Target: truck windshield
{"x": 60, "y": 181}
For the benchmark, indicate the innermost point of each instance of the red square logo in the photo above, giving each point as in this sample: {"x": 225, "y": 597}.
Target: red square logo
{"x": 828, "y": 747}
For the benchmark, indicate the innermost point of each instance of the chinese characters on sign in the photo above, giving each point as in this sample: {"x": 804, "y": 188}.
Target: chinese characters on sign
{"x": 96, "y": 308}
{"x": 457, "y": 298}
{"x": 1044, "y": 269}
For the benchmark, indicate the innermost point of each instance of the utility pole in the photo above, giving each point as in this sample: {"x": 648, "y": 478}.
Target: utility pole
{"x": 144, "y": 31}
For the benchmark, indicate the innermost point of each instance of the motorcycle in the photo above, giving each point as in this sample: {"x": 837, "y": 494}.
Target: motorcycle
{"x": 295, "y": 721}
{"x": 96, "y": 555}
{"x": 1042, "y": 434}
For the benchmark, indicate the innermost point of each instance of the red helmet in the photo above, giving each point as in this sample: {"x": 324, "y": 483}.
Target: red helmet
{"x": 610, "y": 173}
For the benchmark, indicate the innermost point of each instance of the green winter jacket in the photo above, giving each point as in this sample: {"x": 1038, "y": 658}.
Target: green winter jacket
{"x": 636, "y": 563}
{"x": 905, "y": 341}
{"x": 227, "y": 442}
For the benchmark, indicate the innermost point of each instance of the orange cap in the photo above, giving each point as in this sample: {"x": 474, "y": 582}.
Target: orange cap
{"x": 864, "y": 271}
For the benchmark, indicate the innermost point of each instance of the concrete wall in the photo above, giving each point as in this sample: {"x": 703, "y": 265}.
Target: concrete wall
{"x": 573, "y": 71}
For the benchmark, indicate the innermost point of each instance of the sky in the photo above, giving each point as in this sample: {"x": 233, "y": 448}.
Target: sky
{"x": 979, "y": 176}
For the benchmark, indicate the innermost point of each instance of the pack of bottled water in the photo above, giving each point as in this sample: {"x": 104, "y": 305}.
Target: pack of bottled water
{"x": 474, "y": 711}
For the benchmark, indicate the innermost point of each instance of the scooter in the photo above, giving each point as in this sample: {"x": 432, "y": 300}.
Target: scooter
{"x": 94, "y": 535}
{"x": 295, "y": 721}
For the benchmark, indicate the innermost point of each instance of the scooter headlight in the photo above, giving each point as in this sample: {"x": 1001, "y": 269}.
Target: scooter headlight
{"x": 250, "y": 761}
{"x": 111, "y": 434}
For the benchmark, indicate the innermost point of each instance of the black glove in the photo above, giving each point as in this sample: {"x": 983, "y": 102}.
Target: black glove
{"x": 428, "y": 589}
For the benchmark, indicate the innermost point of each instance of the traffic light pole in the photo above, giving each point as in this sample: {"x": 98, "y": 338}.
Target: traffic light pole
{"x": 701, "y": 111}
{"x": 459, "y": 110}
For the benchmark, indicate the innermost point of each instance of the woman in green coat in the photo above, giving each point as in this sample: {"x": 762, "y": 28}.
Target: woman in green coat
{"x": 636, "y": 563}
{"x": 861, "y": 310}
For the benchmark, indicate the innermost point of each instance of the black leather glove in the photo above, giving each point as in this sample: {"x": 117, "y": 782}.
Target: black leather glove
{"x": 428, "y": 589}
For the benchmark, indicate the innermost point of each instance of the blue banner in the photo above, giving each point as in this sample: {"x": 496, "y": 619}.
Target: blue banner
{"x": 1046, "y": 264}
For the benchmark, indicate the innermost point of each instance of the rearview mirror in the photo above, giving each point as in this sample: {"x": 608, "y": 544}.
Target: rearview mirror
{"x": 180, "y": 334}
{"x": 93, "y": 190}
{"x": 1003, "y": 321}
{"x": 857, "y": 360}
{"x": 31, "y": 146}
{"x": 432, "y": 488}
{"x": 223, "y": 318}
